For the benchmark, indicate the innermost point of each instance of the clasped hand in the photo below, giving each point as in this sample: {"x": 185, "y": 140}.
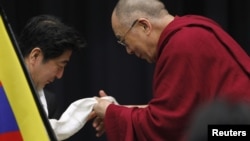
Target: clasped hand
{"x": 99, "y": 111}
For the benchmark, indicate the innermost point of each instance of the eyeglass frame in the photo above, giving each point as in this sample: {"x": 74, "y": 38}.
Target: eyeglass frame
{"x": 121, "y": 40}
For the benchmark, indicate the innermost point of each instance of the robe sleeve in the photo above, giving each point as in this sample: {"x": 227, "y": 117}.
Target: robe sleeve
{"x": 192, "y": 68}
{"x": 121, "y": 129}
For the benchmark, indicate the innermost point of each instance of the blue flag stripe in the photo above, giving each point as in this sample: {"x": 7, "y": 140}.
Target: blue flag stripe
{"x": 7, "y": 117}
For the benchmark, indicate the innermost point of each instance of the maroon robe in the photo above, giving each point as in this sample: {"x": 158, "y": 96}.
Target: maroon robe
{"x": 197, "y": 62}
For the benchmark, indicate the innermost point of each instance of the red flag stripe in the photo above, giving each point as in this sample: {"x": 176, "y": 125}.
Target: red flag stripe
{"x": 11, "y": 136}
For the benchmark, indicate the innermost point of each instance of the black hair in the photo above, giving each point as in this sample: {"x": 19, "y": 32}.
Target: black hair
{"x": 49, "y": 34}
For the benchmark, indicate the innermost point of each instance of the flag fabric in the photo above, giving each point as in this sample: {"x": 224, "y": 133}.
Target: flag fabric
{"x": 8, "y": 131}
{"x": 21, "y": 115}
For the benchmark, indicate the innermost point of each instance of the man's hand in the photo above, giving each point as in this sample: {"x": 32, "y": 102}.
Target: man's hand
{"x": 101, "y": 106}
{"x": 99, "y": 110}
{"x": 98, "y": 124}
{"x": 102, "y": 93}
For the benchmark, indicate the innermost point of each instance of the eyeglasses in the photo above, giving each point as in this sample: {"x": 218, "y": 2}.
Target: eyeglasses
{"x": 121, "y": 40}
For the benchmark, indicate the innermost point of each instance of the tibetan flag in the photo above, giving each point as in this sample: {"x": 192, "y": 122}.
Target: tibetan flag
{"x": 21, "y": 115}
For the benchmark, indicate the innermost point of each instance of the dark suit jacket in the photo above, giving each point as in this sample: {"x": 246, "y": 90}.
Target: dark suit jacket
{"x": 52, "y": 103}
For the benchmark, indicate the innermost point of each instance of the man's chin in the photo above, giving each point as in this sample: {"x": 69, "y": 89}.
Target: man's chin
{"x": 149, "y": 61}
{"x": 39, "y": 88}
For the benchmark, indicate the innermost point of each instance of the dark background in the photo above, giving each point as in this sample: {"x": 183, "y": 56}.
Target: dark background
{"x": 104, "y": 64}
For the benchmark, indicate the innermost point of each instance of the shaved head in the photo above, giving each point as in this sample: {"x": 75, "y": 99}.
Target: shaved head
{"x": 126, "y": 11}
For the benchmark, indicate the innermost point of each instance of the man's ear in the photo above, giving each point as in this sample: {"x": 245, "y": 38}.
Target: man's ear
{"x": 35, "y": 54}
{"x": 145, "y": 23}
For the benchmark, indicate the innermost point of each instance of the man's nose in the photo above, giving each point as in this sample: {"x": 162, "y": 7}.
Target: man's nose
{"x": 129, "y": 51}
{"x": 59, "y": 74}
